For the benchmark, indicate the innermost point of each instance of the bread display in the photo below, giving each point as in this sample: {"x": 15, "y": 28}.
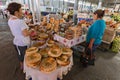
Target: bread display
{"x": 46, "y": 54}
{"x": 46, "y": 59}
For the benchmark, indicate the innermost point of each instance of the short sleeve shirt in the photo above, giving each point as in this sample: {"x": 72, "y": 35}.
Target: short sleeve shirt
{"x": 16, "y": 27}
{"x": 96, "y": 31}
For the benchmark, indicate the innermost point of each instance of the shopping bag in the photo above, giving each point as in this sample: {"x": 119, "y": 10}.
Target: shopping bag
{"x": 84, "y": 61}
{"x": 87, "y": 58}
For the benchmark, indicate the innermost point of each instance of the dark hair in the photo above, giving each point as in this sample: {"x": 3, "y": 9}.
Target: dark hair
{"x": 30, "y": 13}
{"x": 12, "y": 7}
{"x": 100, "y": 13}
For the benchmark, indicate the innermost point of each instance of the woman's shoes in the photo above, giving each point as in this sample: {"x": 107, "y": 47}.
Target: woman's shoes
{"x": 87, "y": 61}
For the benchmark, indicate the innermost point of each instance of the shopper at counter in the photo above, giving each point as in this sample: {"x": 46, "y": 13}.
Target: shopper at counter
{"x": 94, "y": 37}
{"x": 19, "y": 30}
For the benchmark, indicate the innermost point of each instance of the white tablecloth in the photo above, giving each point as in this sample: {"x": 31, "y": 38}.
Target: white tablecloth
{"x": 38, "y": 75}
{"x": 71, "y": 42}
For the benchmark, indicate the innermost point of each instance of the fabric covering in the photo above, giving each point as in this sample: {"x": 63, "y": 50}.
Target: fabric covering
{"x": 38, "y": 75}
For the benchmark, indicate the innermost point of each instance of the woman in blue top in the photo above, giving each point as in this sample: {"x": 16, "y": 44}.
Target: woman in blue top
{"x": 94, "y": 35}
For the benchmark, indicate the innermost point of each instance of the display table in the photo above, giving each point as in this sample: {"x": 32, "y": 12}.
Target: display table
{"x": 71, "y": 42}
{"x": 36, "y": 74}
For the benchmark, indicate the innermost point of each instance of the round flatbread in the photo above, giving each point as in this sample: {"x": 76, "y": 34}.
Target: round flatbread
{"x": 52, "y": 20}
{"x": 67, "y": 51}
{"x": 63, "y": 60}
{"x": 48, "y": 65}
{"x": 33, "y": 60}
{"x": 43, "y": 35}
{"x": 50, "y": 43}
{"x": 31, "y": 50}
{"x": 44, "y": 52}
{"x": 54, "y": 52}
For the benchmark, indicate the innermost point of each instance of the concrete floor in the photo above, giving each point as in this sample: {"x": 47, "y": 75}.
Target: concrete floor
{"x": 107, "y": 65}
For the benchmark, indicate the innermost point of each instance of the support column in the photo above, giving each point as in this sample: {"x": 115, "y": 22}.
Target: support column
{"x": 38, "y": 10}
{"x": 99, "y": 4}
{"x": 58, "y": 5}
{"x": 115, "y": 3}
{"x": 118, "y": 9}
{"x": 63, "y": 6}
{"x": 75, "y": 11}
{"x": 32, "y": 9}
{"x": 90, "y": 1}
{"x": 29, "y": 4}
{"x": 51, "y": 3}
{"x": 82, "y": 5}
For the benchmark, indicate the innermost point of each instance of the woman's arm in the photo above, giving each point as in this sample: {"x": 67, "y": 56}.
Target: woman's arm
{"x": 25, "y": 32}
{"x": 91, "y": 43}
{"x": 24, "y": 28}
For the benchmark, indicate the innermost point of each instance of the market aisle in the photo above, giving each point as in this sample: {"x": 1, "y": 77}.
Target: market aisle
{"x": 107, "y": 65}
{"x": 9, "y": 66}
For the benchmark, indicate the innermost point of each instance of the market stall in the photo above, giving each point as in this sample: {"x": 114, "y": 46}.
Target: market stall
{"x": 113, "y": 25}
{"x": 50, "y": 55}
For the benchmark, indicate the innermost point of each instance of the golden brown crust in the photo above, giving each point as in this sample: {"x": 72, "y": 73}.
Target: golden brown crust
{"x": 43, "y": 35}
{"x": 44, "y": 19}
{"x": 67, "y": 51}
{"x": 31, "y": 50}
{"x": 49, "y": 26}
{"x": 57, "y": 22}
{"x": 48, "y": 64}
{"x": 50, "y": 43}
{"x": 35, "y": 57}
{"x": 33, "y": 60}
{"x": 39, "y": 44}
{"x": 63, "y": 60}
{"x": 52, "y": 20}
{"x": 44, "y": 52}
{"x": 54, "y": 52}
{"x": 62, "y": 21}
{"x": 55, "y": 46}
{"x": 33, "y": 65}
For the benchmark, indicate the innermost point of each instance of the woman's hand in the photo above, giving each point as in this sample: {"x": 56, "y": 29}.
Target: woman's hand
{"x": 25, "y": 32}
